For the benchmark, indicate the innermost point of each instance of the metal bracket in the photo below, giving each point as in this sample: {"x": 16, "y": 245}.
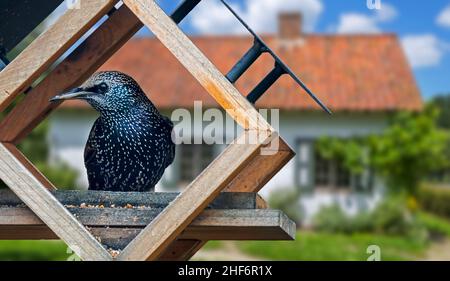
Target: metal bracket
{"x": 259, "y": 47}
{"x": 246, "y": 61}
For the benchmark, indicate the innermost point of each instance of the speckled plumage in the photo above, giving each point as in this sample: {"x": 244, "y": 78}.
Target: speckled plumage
{"x": 130, "y": 144}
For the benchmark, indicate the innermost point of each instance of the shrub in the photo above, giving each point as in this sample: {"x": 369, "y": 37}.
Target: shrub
{"x": 287, "y": 200}
{"x": 393, "y": 217}
{"x": 333, "y": 219}
{"x": 435, "y": 199}
{"x": 436, "y": 225}
{"x": 389, "y": 217}
{"x": 62, "y": 176}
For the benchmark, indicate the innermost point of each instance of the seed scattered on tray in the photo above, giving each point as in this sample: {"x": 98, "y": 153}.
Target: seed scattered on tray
{"x": 113, "y": 253}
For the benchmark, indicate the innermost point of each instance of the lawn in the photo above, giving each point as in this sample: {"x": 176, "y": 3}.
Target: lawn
{"x": 307, "y": 246}
{"x": 322, "y": 246}
{"x": 38, "y": 250}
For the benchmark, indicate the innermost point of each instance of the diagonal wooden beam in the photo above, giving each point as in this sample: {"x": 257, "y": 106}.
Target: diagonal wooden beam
{"x": 262, "y": 169}
{"x": 198, "y": 64}
{"x": 251, "y": 179}
{"x": 44, "y": 50}
{"x": 182, "y": 250}
{"x": 169, "y": 224}
{"x": 48, "y": 208}
{"x": 74, "y": 70}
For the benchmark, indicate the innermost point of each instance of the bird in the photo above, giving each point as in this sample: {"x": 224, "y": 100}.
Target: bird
{"x": 130, "y": 144}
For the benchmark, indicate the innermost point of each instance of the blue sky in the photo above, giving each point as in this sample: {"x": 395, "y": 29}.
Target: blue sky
{"x": 423, "y": 28}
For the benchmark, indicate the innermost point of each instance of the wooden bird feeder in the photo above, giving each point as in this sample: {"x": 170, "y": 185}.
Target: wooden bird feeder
{"x": 221, "y": 203}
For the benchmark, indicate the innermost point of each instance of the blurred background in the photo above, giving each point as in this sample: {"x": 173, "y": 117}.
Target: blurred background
{"x": 375, "y": 173}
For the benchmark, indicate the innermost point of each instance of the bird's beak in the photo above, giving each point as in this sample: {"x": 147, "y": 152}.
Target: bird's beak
{"x": 76, "y": 93}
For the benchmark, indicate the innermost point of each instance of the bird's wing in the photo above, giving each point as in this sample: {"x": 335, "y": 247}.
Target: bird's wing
{"x": 169, "y": 128}
{"x": 93, "y": 168}
{"x": 90, "y": 149}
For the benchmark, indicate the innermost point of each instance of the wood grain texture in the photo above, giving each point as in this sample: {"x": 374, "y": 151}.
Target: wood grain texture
{"x": 117, "y": 227}
{"x": 165, "y": 228}
{"x": 181, "y": 250}
{"x": 48, "y": 209}
{"x": 71, "y": 72}
{"x": 261, "y": 169}
{"x": 140, "y": 218}
{"x": 253, "y": 177}
{"x": 45, "y": 50}
{"x": 154, "y": 200}
{"x": 198, "y": 64}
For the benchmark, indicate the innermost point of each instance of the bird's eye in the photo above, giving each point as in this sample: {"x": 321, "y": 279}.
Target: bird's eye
{"x": 102, "y": 88}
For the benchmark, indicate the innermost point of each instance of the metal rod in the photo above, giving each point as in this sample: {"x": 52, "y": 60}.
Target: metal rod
{"x": 277, "y": 59}
{"x": 183, "y": 10}
{"x": 266, "y": 83}
{"x": 246, "y": 61}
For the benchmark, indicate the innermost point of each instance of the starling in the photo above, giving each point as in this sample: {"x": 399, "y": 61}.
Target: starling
{"x": 130, "y": 144}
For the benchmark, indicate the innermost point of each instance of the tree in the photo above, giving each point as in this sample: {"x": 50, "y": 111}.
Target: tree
{"x": 442, "y": 102}
{"x": 410, "y": 149}
{"x": 407, "y": 152}
{"x": 35, "y": 148}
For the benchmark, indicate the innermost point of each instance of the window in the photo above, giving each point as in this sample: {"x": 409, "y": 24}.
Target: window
{"x": 314, "y": 171}
{"x": 304, "y": 164}
{"x": 194, "y": 158}
{"x": 331, "y": 173}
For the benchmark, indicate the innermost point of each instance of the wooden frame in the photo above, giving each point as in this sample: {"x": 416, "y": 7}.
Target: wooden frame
{"x": 241, "y": 167}
{"x": 231, "y": 216}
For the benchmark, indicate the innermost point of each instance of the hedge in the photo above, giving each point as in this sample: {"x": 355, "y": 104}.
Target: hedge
{"x": 435, "y": 199}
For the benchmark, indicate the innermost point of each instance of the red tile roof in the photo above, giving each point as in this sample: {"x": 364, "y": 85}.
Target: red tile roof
{"x": 348, "y": 72}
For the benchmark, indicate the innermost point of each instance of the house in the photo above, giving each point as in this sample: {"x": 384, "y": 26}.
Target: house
{"x": 362, "y": 78}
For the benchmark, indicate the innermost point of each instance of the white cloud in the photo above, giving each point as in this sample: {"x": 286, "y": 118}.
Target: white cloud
{"x": 211, "y": 17}
{"x": 362, "y": 23}
{"x": 423, "y": 50}
{"x": 444, "y": 17}
{"x": 387, "y": 13}
{"x": 356, "y": 23}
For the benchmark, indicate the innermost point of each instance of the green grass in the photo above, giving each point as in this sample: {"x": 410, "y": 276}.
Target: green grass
{"x": 213, "y": 245}
{"x": 332, "y": 247}
{"x": 26, "y": 250}
{"x": 435, "y": 224}
{"x": 307, "y": 246}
